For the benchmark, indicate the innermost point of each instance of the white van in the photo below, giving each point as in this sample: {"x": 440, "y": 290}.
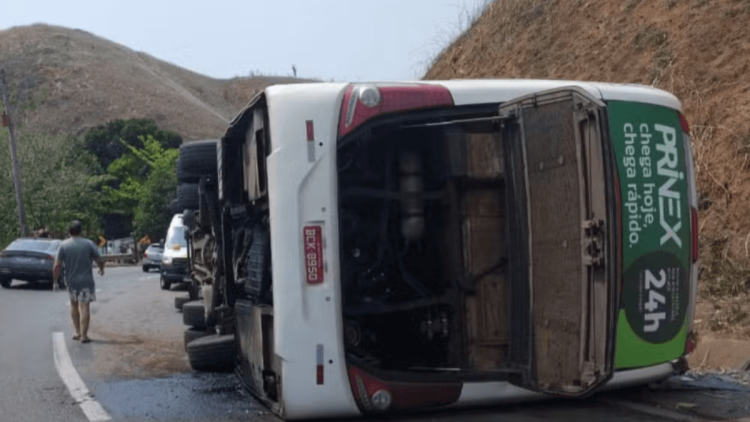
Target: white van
{"x": 398, "y": 246}
{"x": 174, "y": 260}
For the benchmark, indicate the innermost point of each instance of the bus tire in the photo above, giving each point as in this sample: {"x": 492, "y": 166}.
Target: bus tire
{"x": 197, "y": 159}
{"x": 181, "y": 300}
{"x": 193, "y": 314}
{"x": 164, "y": 283}
{"x": 187, "y": 196}
{"x": 194, "y": 291}
{"x": 193, "y": 333}
{"x": 174, "y": 207}
{"x": 213, "y": 353}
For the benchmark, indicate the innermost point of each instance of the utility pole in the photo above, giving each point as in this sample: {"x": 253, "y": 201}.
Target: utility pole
{"x": 8, "y": 119}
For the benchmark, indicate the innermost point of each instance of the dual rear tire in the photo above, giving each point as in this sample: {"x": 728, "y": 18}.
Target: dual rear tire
{"x": 194, "y": 333}
{"x": 197, "y": 159}
{"x": 193, "y": 314}
{"x": 206, "y": 351}
{"x": 215, "y": 353}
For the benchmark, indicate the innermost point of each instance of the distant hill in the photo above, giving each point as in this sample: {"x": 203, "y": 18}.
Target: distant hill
{"x": 86, "y": 81}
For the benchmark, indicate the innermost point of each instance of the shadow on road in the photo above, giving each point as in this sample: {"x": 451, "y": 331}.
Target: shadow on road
{"x": 179, "y": 287}
{"x": 24, "y": 285}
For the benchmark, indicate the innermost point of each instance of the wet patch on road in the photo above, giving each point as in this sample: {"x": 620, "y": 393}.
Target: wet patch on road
{"x": 187, "y": 397}
{"x": 123, "y": 356}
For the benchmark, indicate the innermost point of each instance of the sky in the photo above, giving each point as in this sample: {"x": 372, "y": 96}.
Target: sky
{"x": 340, "y": 40}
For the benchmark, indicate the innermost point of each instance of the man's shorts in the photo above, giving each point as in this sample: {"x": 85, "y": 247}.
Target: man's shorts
{"x": 85, "y": 295}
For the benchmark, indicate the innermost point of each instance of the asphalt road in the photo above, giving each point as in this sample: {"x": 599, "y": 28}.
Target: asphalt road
{"x": 30, "y": 388}
{"x": 137, "y": 370}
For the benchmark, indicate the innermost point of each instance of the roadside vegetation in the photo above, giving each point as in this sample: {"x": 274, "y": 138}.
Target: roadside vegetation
{"x": 58, "y": 184}
{"x": 140, "y": 185}
{"x": 126, "y": 167}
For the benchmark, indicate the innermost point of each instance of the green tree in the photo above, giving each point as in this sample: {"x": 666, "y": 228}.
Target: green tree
{"x": 125, "y": 177}
{"x": 148, "y": 179}
{"x": 57, "y": 180}
{"x": 151, "y": 215}
{"x": 109, "y": 142}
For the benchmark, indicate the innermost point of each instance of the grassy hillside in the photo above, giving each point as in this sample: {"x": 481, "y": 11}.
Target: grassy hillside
{"x": 697, "y": 49}
{"x": 82, "y": 81}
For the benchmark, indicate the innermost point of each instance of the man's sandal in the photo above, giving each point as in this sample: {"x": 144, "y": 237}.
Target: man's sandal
{"x": 85, "y": 340}
{"x": 76, "y": 337}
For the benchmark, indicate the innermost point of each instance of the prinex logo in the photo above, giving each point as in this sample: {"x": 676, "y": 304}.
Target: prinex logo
{"x": 670, "y": 214}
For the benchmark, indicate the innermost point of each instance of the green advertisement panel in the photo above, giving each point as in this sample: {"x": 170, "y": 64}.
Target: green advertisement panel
{"x": 650, "y": 152}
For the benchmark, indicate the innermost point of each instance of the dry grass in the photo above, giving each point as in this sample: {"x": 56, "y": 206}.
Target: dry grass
{"x": 89, "y": 81}
{"x": 699, "y": 53}
{"x": 721, "y": 275}
{"x": 730, "y": 314}
{"x": 500, "y": 18}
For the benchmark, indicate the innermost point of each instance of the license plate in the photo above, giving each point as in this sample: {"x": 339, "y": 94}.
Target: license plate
{"x": 313, "y": 252}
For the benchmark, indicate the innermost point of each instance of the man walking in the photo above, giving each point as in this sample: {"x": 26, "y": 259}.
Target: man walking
{"x": 76, "y": 255}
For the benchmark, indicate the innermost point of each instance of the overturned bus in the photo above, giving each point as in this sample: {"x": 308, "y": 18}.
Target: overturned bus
{"x": 383, "y": 247}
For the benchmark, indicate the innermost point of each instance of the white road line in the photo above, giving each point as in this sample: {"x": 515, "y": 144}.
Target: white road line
{"x": 91, "y": 408}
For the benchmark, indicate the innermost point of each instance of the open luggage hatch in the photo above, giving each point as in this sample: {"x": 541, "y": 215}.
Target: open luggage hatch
{"x": 563, "y": 260}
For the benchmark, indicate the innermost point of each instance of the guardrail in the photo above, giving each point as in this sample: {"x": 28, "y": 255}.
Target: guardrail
{"x": 127, "y": 258}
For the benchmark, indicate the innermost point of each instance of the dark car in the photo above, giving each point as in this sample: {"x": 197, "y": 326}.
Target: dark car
{"x": 152, "y": 257}
{"x": 28, "y": 259}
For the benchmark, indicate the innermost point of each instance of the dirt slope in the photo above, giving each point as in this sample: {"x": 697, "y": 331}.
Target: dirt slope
{"x": 84, "y": 81}
{"x": 697, "y": 49}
